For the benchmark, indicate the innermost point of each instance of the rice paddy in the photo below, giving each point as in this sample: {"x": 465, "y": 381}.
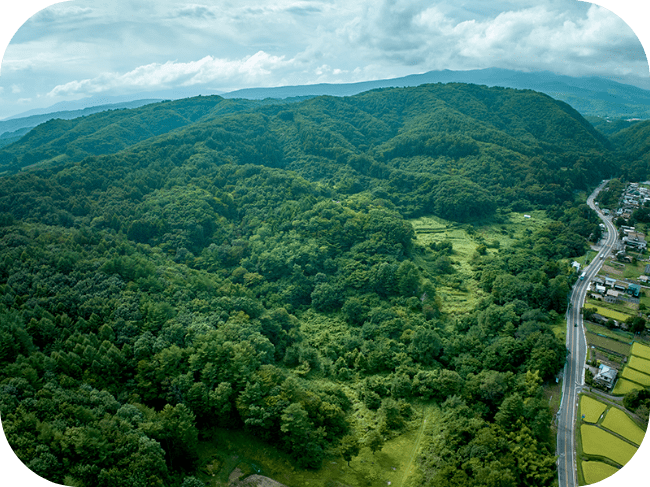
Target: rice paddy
{"x": 596, "y": 471}
{"x": 640, "y": 364}
{"x": 623, "y": 386}
{"x": 620, "y": 423}
{"x": 598, "y": 442}
{"x": 636, "y": 376}
{"x": 591, "y": 409}
{"x": 610, "y": 313}
{"x": 640, "y": 350}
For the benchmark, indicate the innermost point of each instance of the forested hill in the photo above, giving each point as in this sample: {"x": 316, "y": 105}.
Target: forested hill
{"x": 173, "y": 270}
{"x": 454, "y": 150}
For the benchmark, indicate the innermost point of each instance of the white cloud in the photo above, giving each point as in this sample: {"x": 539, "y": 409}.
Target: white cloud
{"x": 15, "y": 89}
{"x": 250, "y": 69}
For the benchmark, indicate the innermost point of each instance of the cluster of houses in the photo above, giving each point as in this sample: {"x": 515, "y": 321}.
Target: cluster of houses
{"x": 633, "y": 197}
{"x": 633, "y": 239}
{"x": 612, "y": 290}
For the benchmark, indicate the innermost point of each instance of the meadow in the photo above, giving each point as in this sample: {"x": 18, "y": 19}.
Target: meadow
{"x": 598, "y": 442}
{"x": 591, "y": 409}
{"x": 620, "y": 423}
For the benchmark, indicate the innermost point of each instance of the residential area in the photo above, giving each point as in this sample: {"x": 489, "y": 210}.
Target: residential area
{"x": 615, "y": 315}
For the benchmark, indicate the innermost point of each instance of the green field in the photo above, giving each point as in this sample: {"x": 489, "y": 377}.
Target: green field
{"x": 230, "y": 449}
{"x": 597, "y": 471}
{"x": 615, "y": 333}
{"x": 641, "y": 350}
{"x": 591, "y": 409}
{"x": 640, "y": 364}
{"x": 619, "y": 422}
{"x": 608, "y": 344}
{"x": 636, "y": 376}
{"x": 610, "y": 313}
{"x": 623, "y": 386}
{"x": 598, "y": 442}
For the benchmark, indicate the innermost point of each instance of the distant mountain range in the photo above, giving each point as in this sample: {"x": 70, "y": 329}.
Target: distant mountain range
{"x": 591, "y": 96}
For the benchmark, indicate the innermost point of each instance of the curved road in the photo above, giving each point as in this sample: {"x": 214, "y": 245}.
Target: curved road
{"x": 576, "y": 342}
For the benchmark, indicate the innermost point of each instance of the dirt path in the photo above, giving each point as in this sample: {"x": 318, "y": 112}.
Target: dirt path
{"x": 426, "y": 415}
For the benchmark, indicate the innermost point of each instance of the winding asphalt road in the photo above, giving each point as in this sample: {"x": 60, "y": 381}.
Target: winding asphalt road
{"x": 576, "y": 342}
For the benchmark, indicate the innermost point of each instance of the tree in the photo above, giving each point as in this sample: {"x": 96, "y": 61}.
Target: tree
{"x": 375, "y": 441}
{"x": 349, "y": 447}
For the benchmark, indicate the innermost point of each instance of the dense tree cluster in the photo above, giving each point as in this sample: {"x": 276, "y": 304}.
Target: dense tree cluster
{"x": 255, "y": 270}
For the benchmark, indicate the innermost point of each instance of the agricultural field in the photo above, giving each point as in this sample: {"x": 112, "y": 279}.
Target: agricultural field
{"x": 620, "y": 423}
{"x": 591, "y": 409}
{"x": 610, "y": 313}
{"x": 608, "y": 344}
{"x": 598, "y": 442}
{"x": 623, "y": 386}
{"x": 640, "y": 364}
{"x": 594, "y": 471}
{"x": 635, "y": 376}
{"x": 640, "y": 350}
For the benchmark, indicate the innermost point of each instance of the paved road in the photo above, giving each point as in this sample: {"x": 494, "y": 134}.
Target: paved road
{"x": 576, "y": 342}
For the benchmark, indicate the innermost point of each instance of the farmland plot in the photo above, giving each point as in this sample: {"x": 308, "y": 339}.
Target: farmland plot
{"x": 598, "y": 442}
{"x": 640, "y": 364}
{"x": 591, "y": 409}
{"x": 619, "y": 422}
{"x": 636, "y": 376}
{"x": 641, "y": 350}
{"x": 597, "y": 471}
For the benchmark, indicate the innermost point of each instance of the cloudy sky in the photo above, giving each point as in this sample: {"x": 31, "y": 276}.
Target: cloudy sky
{"x": 87, "y": 48}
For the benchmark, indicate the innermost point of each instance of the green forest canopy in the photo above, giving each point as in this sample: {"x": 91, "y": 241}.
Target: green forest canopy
{"x": 159, "y": 268}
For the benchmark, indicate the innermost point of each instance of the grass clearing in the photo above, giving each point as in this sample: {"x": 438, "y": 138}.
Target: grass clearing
{"x": 642, "y": 351}
{"x": 597, "y": 471}
{"x": 636, "y": 376}
{"x": 610, "y": 313}
{"x": 591, "y": 409}
{"x": 229, "y": 449}
{"x": 623, "y": 386}
{"x": 640, "y": 364}
{"x": 619, "y": 422}
{"x": 608, "y": 344}
{"x": 598, "y": 442}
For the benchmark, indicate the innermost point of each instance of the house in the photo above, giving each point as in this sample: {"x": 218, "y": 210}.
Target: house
{"x": 635, "y": 240}
{"x": 621, "y": 286}
{"x": 633, "y": 290}
{"x": 601, "y": 289}
{"x": 611, "y": 296}
{"x": 644, "y": 278}
{"x": 609, "y": 282}
{"x": 606, "y": 376}
{"x": 598, "y": 281}
{"x": 576, "y": 265}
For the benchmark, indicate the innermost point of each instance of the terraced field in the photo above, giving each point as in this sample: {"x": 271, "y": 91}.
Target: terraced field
{"x": 596, "y": 471}
{"x": 636, "y": 376}
{"x": 640, "y": 350}
{"x": 598, "y": 442}
{"x": 591, "y": 409}
{"x": 623, "y": 386}
{"x": 640, "y": 364}
{"x": 619, "y": 422}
